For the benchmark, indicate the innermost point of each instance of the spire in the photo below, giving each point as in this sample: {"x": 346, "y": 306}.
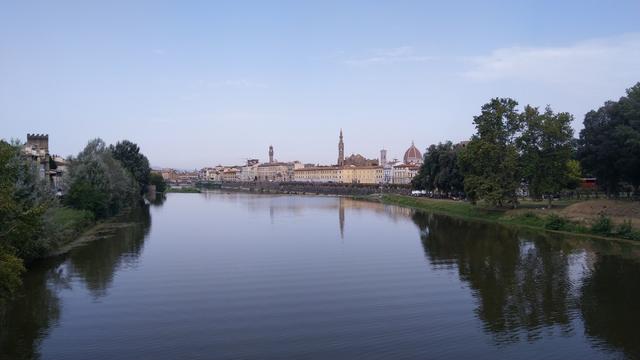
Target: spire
{"x": 340, "y": 150}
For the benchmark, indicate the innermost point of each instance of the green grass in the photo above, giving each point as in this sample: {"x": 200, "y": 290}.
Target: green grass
{"x": 63, "y": 225}
{"x": 529, "y": 219}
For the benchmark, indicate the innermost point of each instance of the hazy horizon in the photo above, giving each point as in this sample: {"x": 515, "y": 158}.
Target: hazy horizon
{"x": 199, "y": 84}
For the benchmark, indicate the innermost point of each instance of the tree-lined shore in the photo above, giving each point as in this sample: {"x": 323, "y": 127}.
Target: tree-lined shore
{"x": 100, "y": 182}
{"x": 532, "y": 154}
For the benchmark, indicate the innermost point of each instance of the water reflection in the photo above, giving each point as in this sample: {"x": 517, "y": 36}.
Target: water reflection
{"x": 530, "y": 286}
{"x": 527, "y": 288}
{"x": 97, "y": 264}
{"x": 609, "y": 303}
{"x": 27, "y": 321}
{"x": 36, "y": 309}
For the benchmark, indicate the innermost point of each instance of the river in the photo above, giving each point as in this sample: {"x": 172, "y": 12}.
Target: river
{"x": 241, "y": 276}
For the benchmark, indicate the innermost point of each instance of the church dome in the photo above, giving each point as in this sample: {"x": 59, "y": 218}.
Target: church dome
{"x": 412, "y": 155}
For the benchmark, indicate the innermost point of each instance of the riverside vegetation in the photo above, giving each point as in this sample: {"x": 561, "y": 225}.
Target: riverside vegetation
{"x": 100, "y": 182}
{"x": 603, "y": 225}
{"x": 533, "y": 154}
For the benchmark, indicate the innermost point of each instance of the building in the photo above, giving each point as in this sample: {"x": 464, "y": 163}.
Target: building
{"x": 362, "y": 174}
{"x": 404, "y": 173}
{"x": 412, "y": 155}
{"x": 340, "y": 150}
{"x": 320, "y": 174}
{"x": 231, "y": 174}
{"x": 383, "y": 157}
{"x": 37, "y": 148}
{"x": 277, "y": 171}
{"x": 249, "y": 172}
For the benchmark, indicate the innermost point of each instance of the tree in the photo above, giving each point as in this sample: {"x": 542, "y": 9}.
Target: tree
{"x": 440, "y": 170}
{"x": 489, "y": 163}
{"x": 128, "y": 153}
{"x": 157, "y": 180}
{"x": 609, "y": 146}
{"x": 99, "y": 183}
{"x": 23, "y": 200}
{"x": 545, "y": 146}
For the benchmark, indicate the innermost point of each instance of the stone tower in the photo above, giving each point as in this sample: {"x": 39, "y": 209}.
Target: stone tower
{"x": 38, "y": 143}
{"x": 270, "y": 153}
{"x": 383, "y": 157}
{"x": 340, "y": 150}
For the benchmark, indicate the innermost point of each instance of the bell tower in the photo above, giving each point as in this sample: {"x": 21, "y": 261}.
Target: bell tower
{"x": 340, "y": 150}
{"x": 270, "y": 153}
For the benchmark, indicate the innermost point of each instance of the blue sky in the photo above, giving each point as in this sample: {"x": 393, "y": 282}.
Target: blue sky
{"x": 199, "y": 83}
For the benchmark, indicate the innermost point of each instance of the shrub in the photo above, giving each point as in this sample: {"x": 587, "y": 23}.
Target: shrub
{"x": 157, "y": 180}
{"x": 555, "y": 222}
{"x": 602, "y": 226}
{"x": 626, "y": 231}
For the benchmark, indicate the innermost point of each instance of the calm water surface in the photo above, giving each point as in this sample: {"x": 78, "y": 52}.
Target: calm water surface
{"x": 238, "y": 276}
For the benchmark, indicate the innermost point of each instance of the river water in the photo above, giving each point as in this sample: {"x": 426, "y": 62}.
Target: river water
{"x": 239, "y": 276}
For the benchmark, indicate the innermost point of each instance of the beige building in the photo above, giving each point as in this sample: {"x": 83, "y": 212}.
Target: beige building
{"x": 231, "y": 174}
{"x": 362, "y": 174}
{"x": 277, "y": 171}
{"x": 322, "y": 174}
{"x": 340, "y": 174}
{"x": 404, "y": 173}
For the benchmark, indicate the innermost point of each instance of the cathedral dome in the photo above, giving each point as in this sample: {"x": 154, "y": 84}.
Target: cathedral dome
{"x": 412, "y": 155}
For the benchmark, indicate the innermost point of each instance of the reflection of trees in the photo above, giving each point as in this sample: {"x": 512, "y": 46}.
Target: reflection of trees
{"x": 158, "y": 199}
{"x": 610, "y": 304}
{"x": 27, "y": 320}
{"x": 121, "y": 246}
{"x": 522, "y": 286}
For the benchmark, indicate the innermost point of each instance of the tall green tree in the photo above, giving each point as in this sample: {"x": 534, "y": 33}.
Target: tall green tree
{"x": 24, "y": 198}
{"x": 128, "y": 153}
{"x": 98, "y": 182}
{"x": 545, "y": 146}
{"x": 489, "y": 162}
{"x": 609, "y": 145}
{"x": 440, "y": 170}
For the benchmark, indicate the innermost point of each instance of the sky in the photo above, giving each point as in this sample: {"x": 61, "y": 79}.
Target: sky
{"x": 202, "y": 83}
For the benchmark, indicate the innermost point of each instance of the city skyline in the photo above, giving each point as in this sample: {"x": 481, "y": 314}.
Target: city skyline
{"x": 209, "y": 84}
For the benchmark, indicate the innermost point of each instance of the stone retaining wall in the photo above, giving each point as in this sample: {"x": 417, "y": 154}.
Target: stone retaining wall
{"x": 317, "y": 188}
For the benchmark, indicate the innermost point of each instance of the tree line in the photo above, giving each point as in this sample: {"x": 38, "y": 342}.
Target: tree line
{"x": 101, "y": 181}
{"x": 533, "y": 152}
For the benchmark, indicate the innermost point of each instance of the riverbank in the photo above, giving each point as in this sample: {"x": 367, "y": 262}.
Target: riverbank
{"x": 183, "y": 190}
{"x": 597, "y": 225}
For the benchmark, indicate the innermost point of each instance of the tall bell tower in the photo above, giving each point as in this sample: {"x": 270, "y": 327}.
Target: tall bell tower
{"x": 340, "y": 150}
{"x": 270, "y": 153}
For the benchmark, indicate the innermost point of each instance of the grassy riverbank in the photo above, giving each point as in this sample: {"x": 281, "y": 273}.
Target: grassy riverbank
{"x": 530, "y": 216}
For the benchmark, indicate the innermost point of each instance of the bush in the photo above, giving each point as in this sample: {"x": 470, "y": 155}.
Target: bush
{"x": 157, "y": 180}
{"x": 602, "y": 226}
{"x": 626, "y": 231}
{"x": 555, "y": 222}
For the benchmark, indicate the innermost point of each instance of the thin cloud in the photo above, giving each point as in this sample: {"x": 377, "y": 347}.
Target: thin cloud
{"x": 403, "y": 54}
{"x": 606, "y": 59}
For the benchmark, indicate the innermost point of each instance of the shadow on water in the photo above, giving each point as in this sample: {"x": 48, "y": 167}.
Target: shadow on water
{"x": 28, "y": 319}
{"x": 530, "y": 285}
